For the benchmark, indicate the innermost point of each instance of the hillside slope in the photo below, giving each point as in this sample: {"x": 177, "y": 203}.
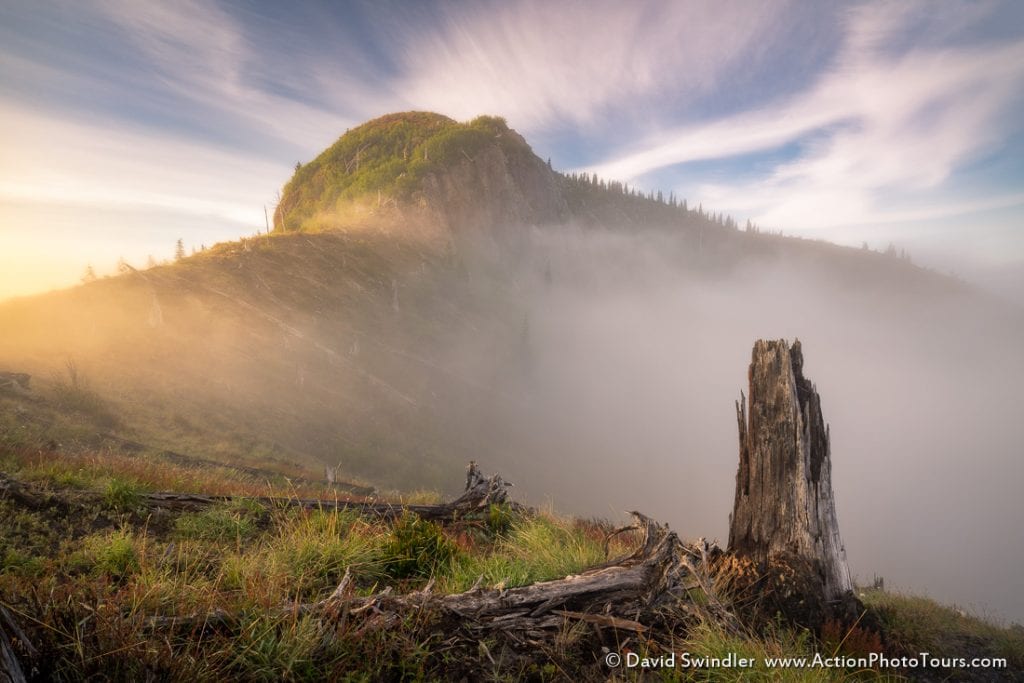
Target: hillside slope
{"x": 292, "y": 348}
{"x": 397, "y": 316}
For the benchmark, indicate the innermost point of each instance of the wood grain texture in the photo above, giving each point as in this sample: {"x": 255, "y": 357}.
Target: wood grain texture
{"x": 784, "y": 500}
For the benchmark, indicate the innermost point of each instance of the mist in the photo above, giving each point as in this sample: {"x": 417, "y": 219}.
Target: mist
{"x": 598, "y": 369}
{"x": 622, "y": 397}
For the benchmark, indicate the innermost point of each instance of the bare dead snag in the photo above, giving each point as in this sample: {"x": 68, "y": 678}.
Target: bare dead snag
{"x": 784, "y": 504}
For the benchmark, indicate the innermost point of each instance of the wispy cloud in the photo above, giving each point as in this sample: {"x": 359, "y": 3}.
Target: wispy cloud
{"x": 860, "y": 115}
{"x": 877, "y": 122}
{"x": 201, "y": 55}
{"x": 541, "y": 63}
{"x": 59, "y": 160}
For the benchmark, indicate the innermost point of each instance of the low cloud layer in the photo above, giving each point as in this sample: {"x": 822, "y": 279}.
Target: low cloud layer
{"x": 867, "y": 121}
{"x": 624, "y": 399}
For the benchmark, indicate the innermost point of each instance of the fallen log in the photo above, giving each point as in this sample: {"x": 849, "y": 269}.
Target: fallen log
{"x": 657, "y": 584}
{"x": 481, "y": 492}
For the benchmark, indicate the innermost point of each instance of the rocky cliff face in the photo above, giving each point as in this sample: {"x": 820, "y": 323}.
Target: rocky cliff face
{"x": 495, "y": 193}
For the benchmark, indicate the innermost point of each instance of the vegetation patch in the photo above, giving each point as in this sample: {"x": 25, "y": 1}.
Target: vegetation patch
{"x": 387, "y": 157}
{"x": 82, "y": 577}
{"x": 229, "y": 522}
{"x": 417, "y": 548}
{"x": 122, "y": 495}
{"x": 914, "y": 624}
{"x": 112, "y": 554}
{"x": 72, "y": 391}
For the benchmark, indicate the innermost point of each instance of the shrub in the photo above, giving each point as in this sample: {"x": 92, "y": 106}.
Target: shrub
{"x": 122, "y": 495}
{"x": 417, "y": 548}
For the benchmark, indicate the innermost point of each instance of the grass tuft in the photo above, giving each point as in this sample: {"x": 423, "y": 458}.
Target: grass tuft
{"x": 113, "y": 554}
{"x": 122, "y": 495}
{"x": 417, "y": 548}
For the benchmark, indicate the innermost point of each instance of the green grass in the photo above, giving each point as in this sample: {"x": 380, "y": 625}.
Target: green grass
{"x": 85, "y": 580}
{"x": 709, "y": 640}
{"x": 122, "y": 495}
{"x": 918, "y": 624}
{"x": 115, "y": 554}
{"x": 274, "y": 649}
{"x": 534, "y": 549}
{"x": 417, "y": 548}
{"x": 310, "y": 551}
{"x": 229, "y": 522}
{"x": 21, "y": 563}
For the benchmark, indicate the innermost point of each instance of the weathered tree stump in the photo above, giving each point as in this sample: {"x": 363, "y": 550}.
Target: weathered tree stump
{"x": 784, "y": 508}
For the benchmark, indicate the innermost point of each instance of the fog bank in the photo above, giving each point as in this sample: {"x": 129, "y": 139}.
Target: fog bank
{"x": 623, "y": 398}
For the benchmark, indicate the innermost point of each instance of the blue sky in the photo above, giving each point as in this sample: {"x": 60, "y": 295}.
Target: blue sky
{"x": 129, "y": 124}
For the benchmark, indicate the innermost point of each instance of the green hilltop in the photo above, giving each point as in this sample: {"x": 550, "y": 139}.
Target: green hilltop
{"x": 387, "y": 158}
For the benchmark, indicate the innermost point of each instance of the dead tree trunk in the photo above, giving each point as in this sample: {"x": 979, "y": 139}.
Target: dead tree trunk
{"x": 784, "y": 503}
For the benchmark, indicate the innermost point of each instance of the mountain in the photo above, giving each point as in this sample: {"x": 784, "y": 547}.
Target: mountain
{"x": 433, "y": 292}
{"x": 375, "y": 326}
{"x": 423, "y": 171}
{"x": 477, "y": 184}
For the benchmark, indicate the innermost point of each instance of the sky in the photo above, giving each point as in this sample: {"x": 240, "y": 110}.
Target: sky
{"x": 127, "y": 125}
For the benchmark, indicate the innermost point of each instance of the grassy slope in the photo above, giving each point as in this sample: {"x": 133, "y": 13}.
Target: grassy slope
{"x": 289, "y": 349}
{"x": 343, "y": 346}
{"x": 83, "y": 582}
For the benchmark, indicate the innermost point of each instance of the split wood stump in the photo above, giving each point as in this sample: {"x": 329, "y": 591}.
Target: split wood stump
{"x": 784, "y": 509}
